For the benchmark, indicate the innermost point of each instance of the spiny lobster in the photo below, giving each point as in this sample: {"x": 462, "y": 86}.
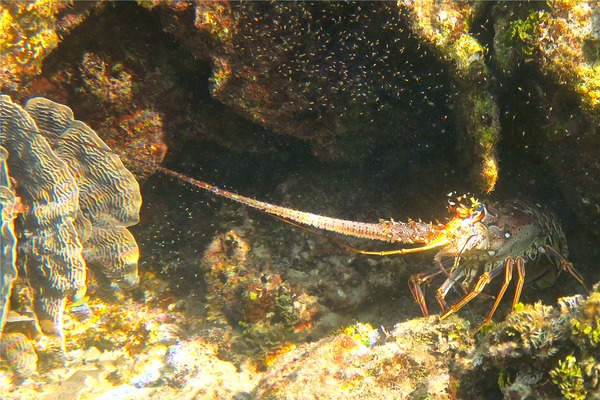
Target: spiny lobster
{"x": 481, "y": 241}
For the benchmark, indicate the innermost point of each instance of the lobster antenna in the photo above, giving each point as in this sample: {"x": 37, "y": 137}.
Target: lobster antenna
{"x": 390, "y": 231}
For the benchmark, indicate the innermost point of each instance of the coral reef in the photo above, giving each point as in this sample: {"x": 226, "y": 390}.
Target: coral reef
{"x": 413, "y": 361}
{"x": 547, "y": 55}
{"x": 153, "y": 346}
{"x": 286, "y": 73}
{"x": 78, "y": 200}
{"x": 246, "y": 94}
{"x": 49, "y": 194}
{"x": 269, "y": 311}
{"x": 112, "y": 87}
{"x": 158, "y": 346}
{"x": 492, "y": 52}
{"x": 28, "y": 35}
{"x": 562, "y": 38}
{"x": 104, "y": 87}
{"x": 276, "y": 64}
{"x": 132, "y": 130}
{"x": 546, "y": 346}
{"x": 19, "y": 353}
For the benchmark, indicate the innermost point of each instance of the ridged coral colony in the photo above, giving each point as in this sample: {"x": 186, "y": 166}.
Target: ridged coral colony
{"x": 77, "y": 202}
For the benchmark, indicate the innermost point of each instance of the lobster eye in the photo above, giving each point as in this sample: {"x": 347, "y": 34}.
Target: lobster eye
{"x": 480, "y": 208}
{"x": 478, "y": 212}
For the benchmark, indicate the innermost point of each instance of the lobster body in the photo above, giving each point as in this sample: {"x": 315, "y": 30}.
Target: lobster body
{"x": 510, "y": 229}
{"x": 522, "y": 229}
{"x": 484, "y": 241}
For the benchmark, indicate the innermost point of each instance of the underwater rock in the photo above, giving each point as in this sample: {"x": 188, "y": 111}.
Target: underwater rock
{"x": 446, "y": 27}
{"x": 548, "y": 53}
{"x": 276, "y": 64}
{"x": 30, "y": 31}
{"x": 194, "y": 366}
{"x": 148, "y": 370}
{"x": 562, "y": 38}
{"x": 117, "y": 95}
{"x": 110, "y": 86}
{"x": 270, "y": 311}
{"x": 414, "y": 361}
{"x": 144, "y": 140}
{"x": 28, "y": 35}
{"x": 75, "y": 192}
{"x": 129, "y": 124}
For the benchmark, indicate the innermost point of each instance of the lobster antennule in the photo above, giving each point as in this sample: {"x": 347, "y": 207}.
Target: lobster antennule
{"x": 388, "y": 231}
{"x": 433, "y": 245}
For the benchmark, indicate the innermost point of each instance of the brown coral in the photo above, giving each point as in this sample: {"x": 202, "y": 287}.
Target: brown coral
{"x": 52, "y": 253}
{"x": 19, "y": 353}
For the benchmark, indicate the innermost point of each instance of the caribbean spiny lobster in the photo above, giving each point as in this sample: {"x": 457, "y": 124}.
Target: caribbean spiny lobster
{"x": 481, "y": 241}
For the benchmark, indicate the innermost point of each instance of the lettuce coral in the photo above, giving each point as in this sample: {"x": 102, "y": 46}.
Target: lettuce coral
{"x": 78, "y": 199}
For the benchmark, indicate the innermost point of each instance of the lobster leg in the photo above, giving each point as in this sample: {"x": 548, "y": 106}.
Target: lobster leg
{"x": 520, "y": 281}
{"x": 415, "y": 282}
{"x": 484, "y": 279}
{"x": 443, "y": 290}
{"x": 567, "y": 266}
{"x": 508, "y": 270}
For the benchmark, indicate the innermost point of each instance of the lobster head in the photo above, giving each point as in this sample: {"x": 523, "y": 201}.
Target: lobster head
{"x": 465, "y": 230}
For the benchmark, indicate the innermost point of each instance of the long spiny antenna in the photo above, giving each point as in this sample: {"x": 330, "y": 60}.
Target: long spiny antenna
{"x": 384, "y": 230}
{"x": 389, "y": 231}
